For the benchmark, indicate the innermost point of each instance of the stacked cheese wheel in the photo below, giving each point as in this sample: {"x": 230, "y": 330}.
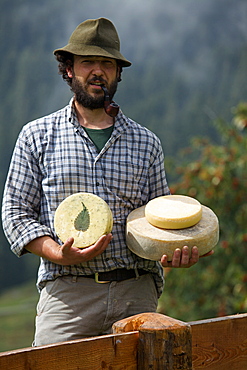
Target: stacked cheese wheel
{"x": 171, "y": 222}
{"x": 83, "y": 216}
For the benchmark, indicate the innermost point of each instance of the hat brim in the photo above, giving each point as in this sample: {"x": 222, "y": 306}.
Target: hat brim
{"x": 93, "y": 50}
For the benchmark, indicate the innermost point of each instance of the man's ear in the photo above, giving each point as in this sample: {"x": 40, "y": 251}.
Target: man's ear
{"x": 119, "y": 71}
{"x": 69, "y": 71}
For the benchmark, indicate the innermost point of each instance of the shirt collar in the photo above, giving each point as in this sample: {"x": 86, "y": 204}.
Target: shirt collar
{"x": 121, "y": 121}
{"x": 72, "y": 113}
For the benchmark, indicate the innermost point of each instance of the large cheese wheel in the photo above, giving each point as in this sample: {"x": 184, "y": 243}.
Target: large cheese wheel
{"x": 173, "y": 211}
{"x": 83, "y": 216}
{"x": 151, "y": 242}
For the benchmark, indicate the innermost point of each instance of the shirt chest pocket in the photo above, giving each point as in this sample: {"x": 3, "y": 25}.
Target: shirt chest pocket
{"x": 65, "y": 177}
{"x": 126, "y": 179}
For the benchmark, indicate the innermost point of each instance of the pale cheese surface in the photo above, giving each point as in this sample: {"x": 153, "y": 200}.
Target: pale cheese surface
{"x": 83, "y": 216}
{"x": 173, "y": 211}
{"x": 151, "y": 242}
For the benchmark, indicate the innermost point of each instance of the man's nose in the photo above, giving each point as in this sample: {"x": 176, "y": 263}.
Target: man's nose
{"x": 97, "y": 69}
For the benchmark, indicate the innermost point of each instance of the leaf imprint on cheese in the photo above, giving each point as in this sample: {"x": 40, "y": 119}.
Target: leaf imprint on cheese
{"x": 82, "y": 221}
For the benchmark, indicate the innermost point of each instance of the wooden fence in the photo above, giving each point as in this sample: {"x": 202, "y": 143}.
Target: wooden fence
{"x": 145, "y": 341}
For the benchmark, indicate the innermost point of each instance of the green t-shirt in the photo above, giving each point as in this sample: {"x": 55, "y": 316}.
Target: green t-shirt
{"x": 99, "y": 137}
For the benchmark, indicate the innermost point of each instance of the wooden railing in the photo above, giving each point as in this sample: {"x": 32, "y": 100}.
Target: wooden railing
{"x": 145, "y": 341}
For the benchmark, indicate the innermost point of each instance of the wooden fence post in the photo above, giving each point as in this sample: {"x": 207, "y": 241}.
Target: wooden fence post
{"x": 164, "y": 343}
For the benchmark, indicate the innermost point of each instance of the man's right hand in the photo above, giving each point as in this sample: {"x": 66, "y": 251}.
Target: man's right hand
{"x": 66, "y": 254}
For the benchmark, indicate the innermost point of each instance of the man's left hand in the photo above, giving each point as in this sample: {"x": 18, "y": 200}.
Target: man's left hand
{"x": 182, "y": 258}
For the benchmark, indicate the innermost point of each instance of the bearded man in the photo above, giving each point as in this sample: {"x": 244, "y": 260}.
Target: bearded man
{"x": 88, "y": 146}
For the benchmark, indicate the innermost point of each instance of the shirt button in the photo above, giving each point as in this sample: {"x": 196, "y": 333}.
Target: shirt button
{"x": 97, "y": 183}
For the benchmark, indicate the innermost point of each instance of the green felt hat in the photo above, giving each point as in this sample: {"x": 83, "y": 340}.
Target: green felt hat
{"x": 95, "y": 37}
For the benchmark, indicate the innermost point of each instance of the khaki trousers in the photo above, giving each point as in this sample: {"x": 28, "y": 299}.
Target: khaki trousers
{"x": 72, "y": 307}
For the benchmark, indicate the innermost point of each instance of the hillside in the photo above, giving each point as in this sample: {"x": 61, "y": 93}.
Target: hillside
{"x": 189, "y": 65}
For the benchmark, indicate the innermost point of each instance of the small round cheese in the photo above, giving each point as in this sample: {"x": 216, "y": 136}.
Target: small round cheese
{"x": 151, "y": 242}
{"x": 83, "y": 216}
{"x": 173, "y": 211}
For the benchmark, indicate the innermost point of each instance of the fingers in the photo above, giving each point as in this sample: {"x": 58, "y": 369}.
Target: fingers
{"x": 164, "y": 261}
{"x": 103, "y": 241}
{"x": 67, "y": 245}
{"x": 178, "y": 256}
{"x": 181, "y": 258}
{"x": 194, "y": 256}
{"x": 72, "y": 255}
{"x": 98, "y": 247}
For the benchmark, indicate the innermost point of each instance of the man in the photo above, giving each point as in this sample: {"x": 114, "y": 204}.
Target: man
{"x": 82, "y": 148}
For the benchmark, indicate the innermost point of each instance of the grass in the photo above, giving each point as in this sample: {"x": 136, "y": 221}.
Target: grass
{"x": 17, "y": 315}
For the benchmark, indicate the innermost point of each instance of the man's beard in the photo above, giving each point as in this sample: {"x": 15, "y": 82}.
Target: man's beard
{"x": 88, "y": 101}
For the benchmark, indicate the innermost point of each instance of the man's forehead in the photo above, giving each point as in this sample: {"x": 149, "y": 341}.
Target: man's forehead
{"x": 94, "y": 57}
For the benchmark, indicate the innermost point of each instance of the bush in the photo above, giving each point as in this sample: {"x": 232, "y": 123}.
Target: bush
{"x": 215, "y": 286}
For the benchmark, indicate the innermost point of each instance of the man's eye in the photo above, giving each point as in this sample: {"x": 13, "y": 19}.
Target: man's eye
{"x": 105, "y": 63}
{"x": 108, "y": 63}
{"x": 86, "y": 62}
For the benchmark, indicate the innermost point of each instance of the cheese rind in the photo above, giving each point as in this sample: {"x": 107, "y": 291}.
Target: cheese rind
{"x": 83, "y": 216}
{"x": 173, "y": 211}
{"x": 150, "y": 242}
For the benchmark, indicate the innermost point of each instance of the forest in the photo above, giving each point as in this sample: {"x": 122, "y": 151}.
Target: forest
{"x": 187, "y": 83}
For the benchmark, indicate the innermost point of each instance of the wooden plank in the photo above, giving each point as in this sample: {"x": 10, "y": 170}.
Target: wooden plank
{"x": 220, "y": 343}
{"x": 164, "y": 343}
{"x": 217, "y": 344}
{"x": 116, "y": 352}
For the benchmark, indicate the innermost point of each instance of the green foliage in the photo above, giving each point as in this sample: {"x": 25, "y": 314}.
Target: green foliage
{"x": 217, "y": 285}
{"x": 187, "y": 66}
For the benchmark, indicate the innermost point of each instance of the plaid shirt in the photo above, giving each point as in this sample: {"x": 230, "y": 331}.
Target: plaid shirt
{"x": 54, "y": 158}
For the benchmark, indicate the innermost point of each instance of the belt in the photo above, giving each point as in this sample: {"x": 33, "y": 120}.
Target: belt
{"x": 116, "y": 275}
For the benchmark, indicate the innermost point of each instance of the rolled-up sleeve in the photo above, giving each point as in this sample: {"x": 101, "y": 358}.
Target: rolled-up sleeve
{"x": 21, "y": 199}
